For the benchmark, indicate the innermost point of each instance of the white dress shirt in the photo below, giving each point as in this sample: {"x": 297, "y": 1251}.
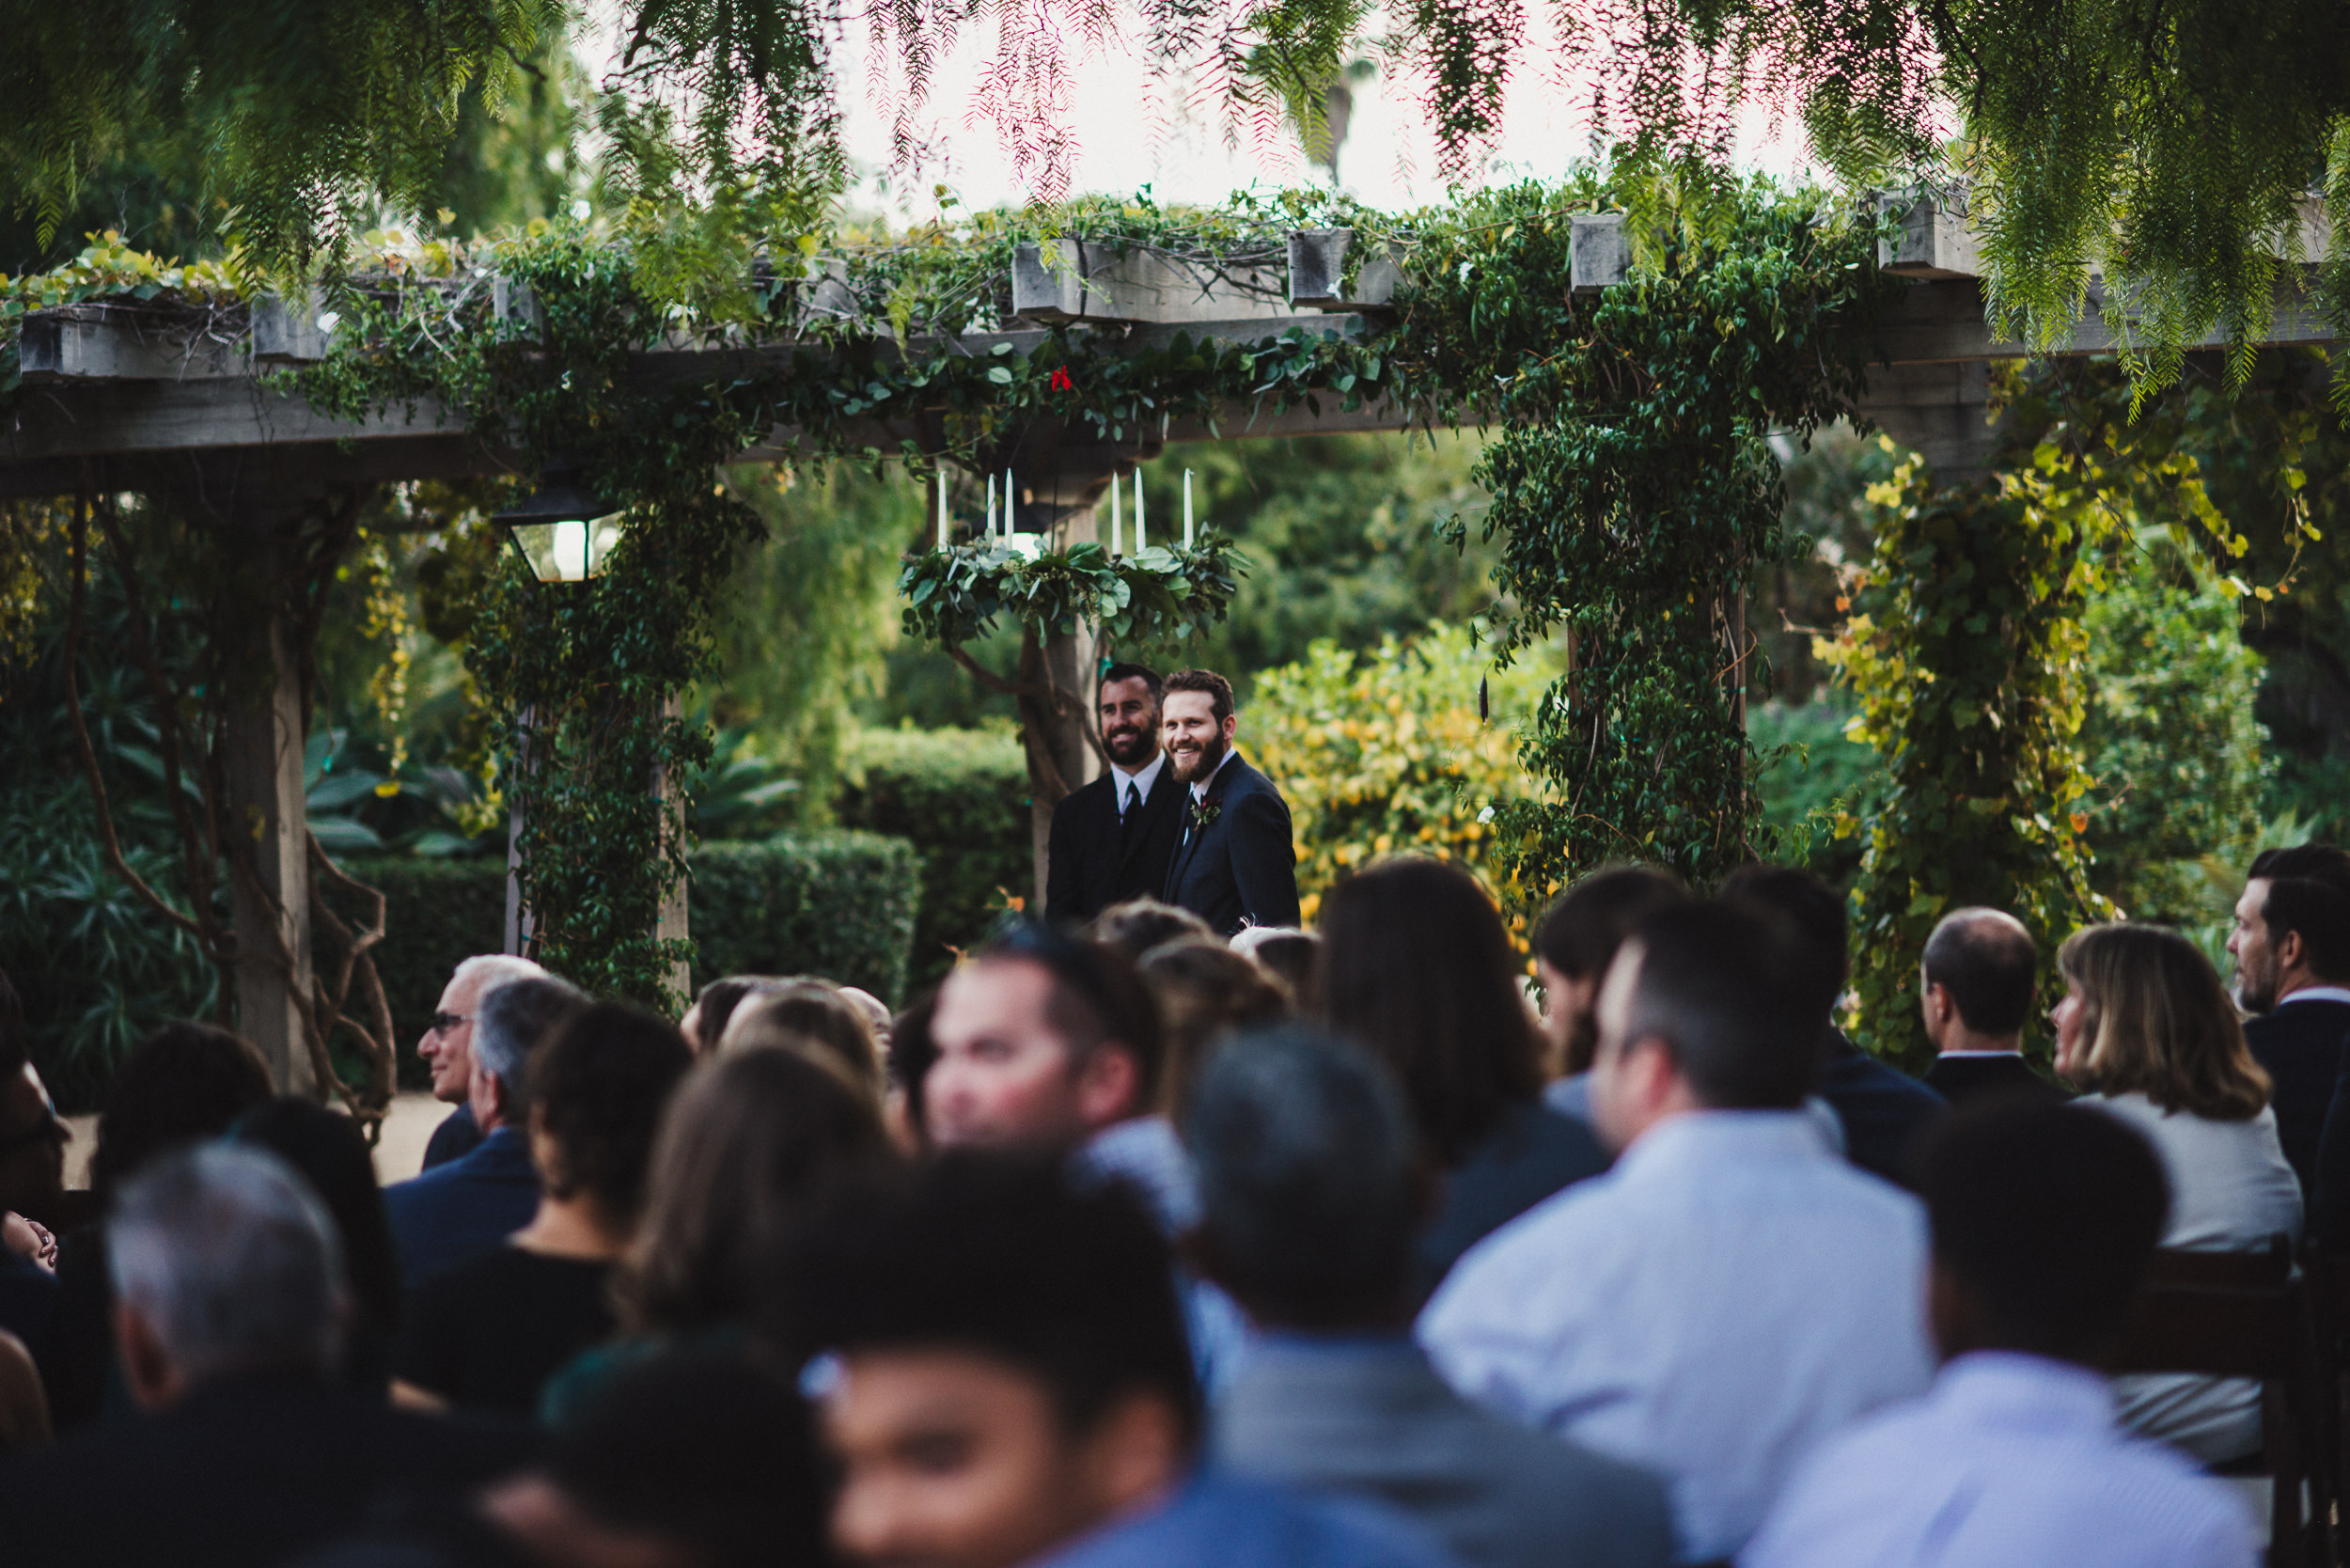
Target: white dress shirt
{"x": 2011, "y": 1462}
{"x": 1200, "y": 786}
{"x": 1726, "y": 1296}
{"x": 1142, "y": 780}
{"x": 2231, "y": 1190}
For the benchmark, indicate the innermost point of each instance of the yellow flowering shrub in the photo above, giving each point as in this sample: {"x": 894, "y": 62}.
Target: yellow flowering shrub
{"x": 1384, "y": 753}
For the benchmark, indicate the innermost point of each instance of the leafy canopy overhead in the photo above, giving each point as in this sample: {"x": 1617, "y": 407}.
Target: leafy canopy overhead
{"x": 2173, "y": 144}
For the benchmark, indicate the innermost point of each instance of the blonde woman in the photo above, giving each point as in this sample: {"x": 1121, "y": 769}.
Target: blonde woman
{"x": 2147, "y": 1026}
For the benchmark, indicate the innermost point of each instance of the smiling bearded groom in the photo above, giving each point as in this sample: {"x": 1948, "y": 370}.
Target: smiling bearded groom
{"x": 1234, "y": 864}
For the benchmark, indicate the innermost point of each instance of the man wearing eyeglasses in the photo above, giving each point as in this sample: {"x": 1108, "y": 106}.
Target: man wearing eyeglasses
{"x": 447, "y": 1047}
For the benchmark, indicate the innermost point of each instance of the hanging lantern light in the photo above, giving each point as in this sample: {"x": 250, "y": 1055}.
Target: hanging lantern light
{"x": 564, "y": 532}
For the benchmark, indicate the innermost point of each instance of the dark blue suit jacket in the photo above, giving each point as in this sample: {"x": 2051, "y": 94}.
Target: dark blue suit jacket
{"x": 459, "y": 1211}
{"x": 1241, "y": 868}
{"x": 2300, "y": 1045}
{"x": 1882, "y": 1109}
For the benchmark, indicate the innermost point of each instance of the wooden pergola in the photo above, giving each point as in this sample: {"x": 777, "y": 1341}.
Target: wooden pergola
{"x": 121, "y": 397}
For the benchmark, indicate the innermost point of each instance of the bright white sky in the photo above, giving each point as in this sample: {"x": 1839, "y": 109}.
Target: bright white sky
{"x": 1133, "y": 133}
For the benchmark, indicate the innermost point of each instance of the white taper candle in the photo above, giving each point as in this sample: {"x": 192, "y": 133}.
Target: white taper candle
{"x": 1118, "y": 527}
{"x": 990, "y": 511}
{"x": 1140, "y": 543}
{"x": 1186, "y": 508}
{"x": 942, "y": 508}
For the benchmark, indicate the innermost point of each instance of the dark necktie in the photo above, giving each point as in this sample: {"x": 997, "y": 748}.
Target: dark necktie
{"x": 1131, "y": 818}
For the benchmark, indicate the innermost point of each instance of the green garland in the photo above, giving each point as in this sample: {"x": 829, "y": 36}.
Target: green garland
{"x": 954, "y": 595}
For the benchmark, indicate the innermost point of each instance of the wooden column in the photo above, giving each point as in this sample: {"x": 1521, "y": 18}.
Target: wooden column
{"x": 262, "y": 763}
{"x": 1057, "y": 733}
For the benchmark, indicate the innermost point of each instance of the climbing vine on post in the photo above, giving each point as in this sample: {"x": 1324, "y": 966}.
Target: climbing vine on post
{"x": 1633, "y": 488}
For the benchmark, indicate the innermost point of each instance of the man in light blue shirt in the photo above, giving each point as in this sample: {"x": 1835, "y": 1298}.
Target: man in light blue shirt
{"x": 1732, "y": 1291}
{"x": 2045, "y": 1216}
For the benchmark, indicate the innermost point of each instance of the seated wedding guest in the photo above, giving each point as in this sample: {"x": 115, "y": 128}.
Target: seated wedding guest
{"x": 1416, "y": 966}
{"x": 461, "y": 1210}
{"x": 2146, "y": 1027}
{"x": 183, "y": 1083}
{"x": 1138, "y": 925}
{"x": 448, "y": 1048}
{"x": 1574, "y": 944}
{"x": 1309, "y": 1188}
{"x": 749, "y": 1142}
{"x": 1000, "y": 1370}
{"x": 1975, "y": 989}
{"x": 1049, "y": 1046}
{"x": 32, "y": 1181}
{"x": 904, "y": 1111}
{"x": 1292, "y": 957}
{"x": 231, "y": 1286}
{"x": 1204, "y": 990}
{"x": 328, "y": 1149}
{"x": 1881, "y": 1110}
{"x": 810, "y": 1015}
{"x": 702, "y": 1462}
{"x": 705, "y": 1021}
{"x": 2043, "y": 1218}
{"x": 2291, "y": 943}
{"x": 487, "y": 1334}
{"x": 1732, "y": 1291}
{"x": 878, "y": 1018}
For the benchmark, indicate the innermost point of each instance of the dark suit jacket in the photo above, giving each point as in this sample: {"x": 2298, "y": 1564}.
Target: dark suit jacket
{"x": 1092, "y": 866}
{"x": 1241, "y": 868}
{"x": 2300, "y": 1043}
{"x": 1533, "y": 1153}
{"x": 242, "y": 1472}
{"x": 1960, "y": 1079}
{"x": 459, "y": 1211}
{"x": 1882, "y": 1108}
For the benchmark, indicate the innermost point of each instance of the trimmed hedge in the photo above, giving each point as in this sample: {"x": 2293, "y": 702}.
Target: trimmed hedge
{"x": 839, "y": 904}
{"x": 961, "y": 798}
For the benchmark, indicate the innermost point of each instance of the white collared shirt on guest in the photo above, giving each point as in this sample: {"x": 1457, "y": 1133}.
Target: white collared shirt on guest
{"x": 1725, "y": 1297}
{"x": 2013, "y": 1461}
{"x": 2316, "y": 994}
{"x": 1142, "y": 779}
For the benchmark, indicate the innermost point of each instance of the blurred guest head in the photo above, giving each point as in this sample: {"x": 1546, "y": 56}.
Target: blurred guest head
{"x": 2144, "y": 1013}
{"x": 810, "y": 1015}
{"x": 447, "y": 1044}
{"x": 1576, "y": 941}
{"x": 2045, "y": 1218}
{"x": 225, "y": 1264}
{"x": 1975, "y": 984}
{"x": 184, "y": 1082}
{"x": 1043, "y": 1040}
{"x": 1000, "y": 1362}
{"x": 876, "y": 1011}
{"x": 1416, "y": 964}
{"x": 1809, "y": 920}
{"x": 32, "y": 1136}
{"x": 747, "y": 1143}
{"x": 1310, "y": 1187}
{"x": 705, "y": 1021}
{"x": 1203, "y": 990}
{"x": 508, "y": 1021}
{"x": 689, "y": 1462}
{"x": 1700, "y": 1011}
{"x": 1292, "y": 957}
{"x": 328, "y": 1149}
{"x": 911, "y": 1053}
{"x": 1138, "y": 925}
{"x": 599, "y": 1083}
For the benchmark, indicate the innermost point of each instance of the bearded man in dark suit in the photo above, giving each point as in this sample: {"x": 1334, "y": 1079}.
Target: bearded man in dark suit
{"x": 1234, "y": 864}
{"x": 1112, "y": 839}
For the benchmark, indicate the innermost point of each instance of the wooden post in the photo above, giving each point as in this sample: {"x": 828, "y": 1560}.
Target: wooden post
{"x": 1056, "y": 732}
{"x": 262, "y": 761}
{"x": 674, "y": 923}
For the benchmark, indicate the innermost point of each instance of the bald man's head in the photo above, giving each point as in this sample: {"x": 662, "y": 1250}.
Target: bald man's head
{"x": 1987, "y": 962}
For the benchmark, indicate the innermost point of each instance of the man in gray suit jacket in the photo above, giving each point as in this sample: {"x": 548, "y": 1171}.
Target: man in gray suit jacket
{"x": 1310, "y": 1190}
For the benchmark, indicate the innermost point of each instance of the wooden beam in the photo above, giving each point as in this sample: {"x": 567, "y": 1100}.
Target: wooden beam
{"x": 1942, "y": 321}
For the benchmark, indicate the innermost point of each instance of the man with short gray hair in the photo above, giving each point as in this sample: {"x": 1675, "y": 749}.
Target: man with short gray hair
{"x": 457, "y": 1211}
{"x": 1311, "y": 1189}
{"x": 229, "y": 1298}
{"x": 446, "y": 1048}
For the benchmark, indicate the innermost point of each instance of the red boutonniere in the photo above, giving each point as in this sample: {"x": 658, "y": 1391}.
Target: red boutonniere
{"x": 1063, "y": 381}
